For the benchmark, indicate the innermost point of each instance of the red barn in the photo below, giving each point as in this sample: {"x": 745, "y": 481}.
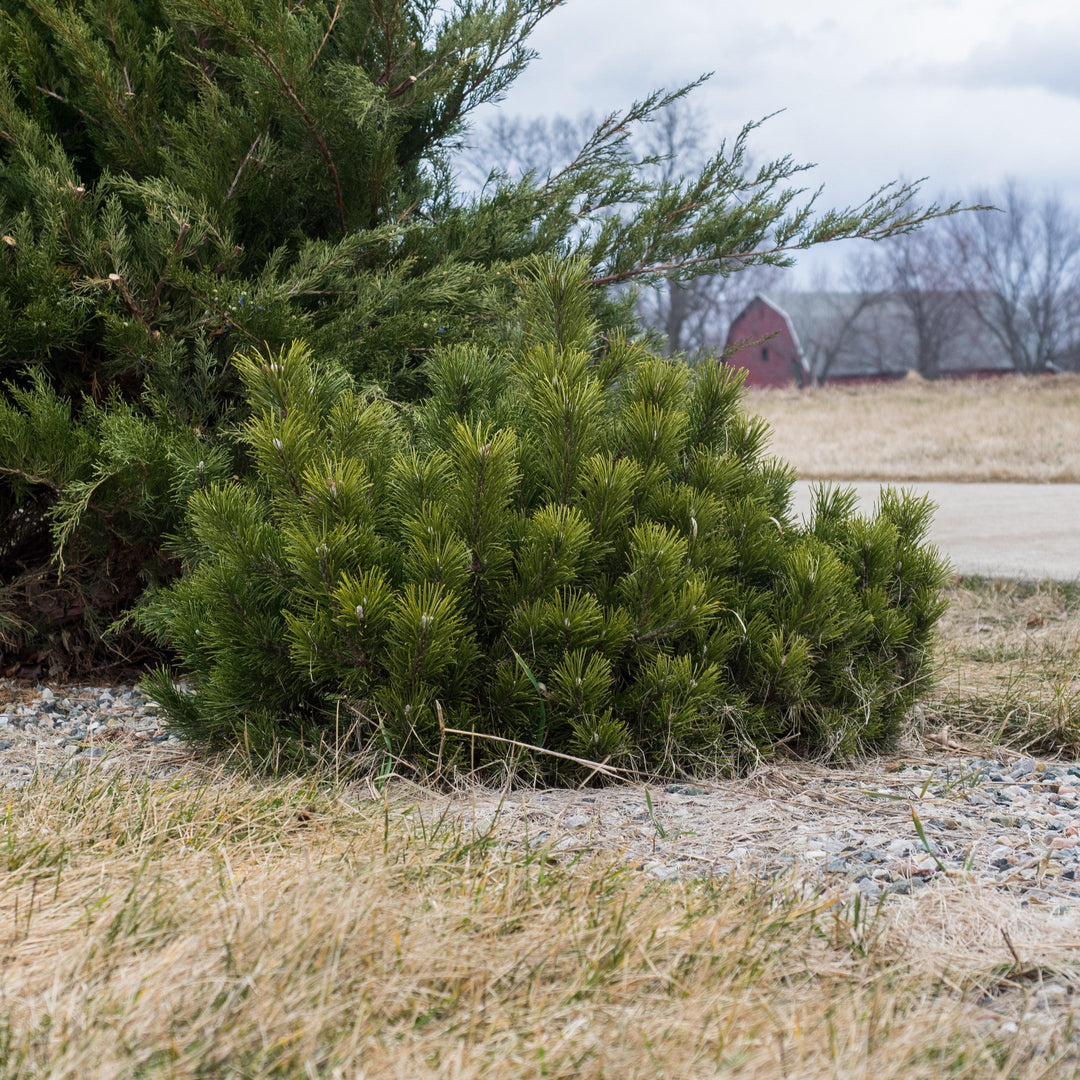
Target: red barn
{"x": 767, "y": 346}
{"x": 818, "y": 337}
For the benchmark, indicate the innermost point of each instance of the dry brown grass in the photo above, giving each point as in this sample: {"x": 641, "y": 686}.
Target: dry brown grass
{"x": 236, "y": 928}
{"x": 216, "y": 926}
{"x": 1010, "y": 664}
{"x": 1005, "y": 429}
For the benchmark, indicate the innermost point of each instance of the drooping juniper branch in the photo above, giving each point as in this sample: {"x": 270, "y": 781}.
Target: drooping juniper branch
{"x": 30, "y": 478}
{"x": 739, "y": 256}
{"x": 326, "y": 36}
{"x": 64, "y": 101}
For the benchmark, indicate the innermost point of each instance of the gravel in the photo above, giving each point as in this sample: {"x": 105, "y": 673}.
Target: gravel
{"x": 883, "y": 832}
{"x": 1014, "y": 825}
{"x": 49, "y": 731}
{"x": 889, "y": 829}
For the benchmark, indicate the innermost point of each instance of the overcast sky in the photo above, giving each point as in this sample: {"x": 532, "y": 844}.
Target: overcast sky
{"x": 966, "y": 92}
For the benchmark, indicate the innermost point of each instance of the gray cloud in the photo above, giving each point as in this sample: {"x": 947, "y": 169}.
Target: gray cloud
{"x": 1045, "y": 57}
{"x": 868, "y": 97}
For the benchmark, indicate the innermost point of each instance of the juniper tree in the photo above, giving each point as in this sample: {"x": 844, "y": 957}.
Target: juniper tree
{"x": 571, "y": 544}
{"x": 180, "y": 179}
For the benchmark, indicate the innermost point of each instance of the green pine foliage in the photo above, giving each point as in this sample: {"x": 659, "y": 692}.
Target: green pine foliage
{"x": 183, "y": 179}
{"x": 571, "y": 544}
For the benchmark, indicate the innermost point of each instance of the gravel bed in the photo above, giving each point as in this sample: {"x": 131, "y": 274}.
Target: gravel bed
{"x": 48, "y": 731}
{"x": 972, "y": 860}
{"x": 885, "y": 830}
{"x": 1003, "y": 830}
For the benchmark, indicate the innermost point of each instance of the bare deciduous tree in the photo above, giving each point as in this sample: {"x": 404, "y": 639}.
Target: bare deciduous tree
{"x": 917, "y": 270}
{"x": 692, "y": 316}
{"x": 1019, "y": 272}
{"x": 986, "y": 290}
{"x": 841, "y": 332}
{"x": 519, "y": 145}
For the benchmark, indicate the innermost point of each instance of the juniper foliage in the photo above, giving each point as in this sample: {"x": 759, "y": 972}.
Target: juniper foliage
{"x": 571, "y": 544}
{"x": 180, "y": 179}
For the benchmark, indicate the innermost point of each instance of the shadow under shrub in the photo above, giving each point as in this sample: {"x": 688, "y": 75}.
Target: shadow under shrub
{"x": 574, "y": 544}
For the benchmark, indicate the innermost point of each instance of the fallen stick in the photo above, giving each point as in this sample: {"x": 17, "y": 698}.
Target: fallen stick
{"x": 596, "y": 766}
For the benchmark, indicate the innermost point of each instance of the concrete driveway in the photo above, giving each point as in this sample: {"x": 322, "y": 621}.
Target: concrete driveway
{"x": 1029, "y": 531}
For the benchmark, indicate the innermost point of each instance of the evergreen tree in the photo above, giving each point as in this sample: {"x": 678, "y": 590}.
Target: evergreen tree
{"x": 180, "y": 179}
{"x": 571, "y": 544}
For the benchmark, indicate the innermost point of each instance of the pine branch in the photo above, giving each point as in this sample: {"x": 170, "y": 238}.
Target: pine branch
{"x": 875, "y": 232}
{"x": 91, "y": 65}
{"x": 30, "y": 478}
{"x": 326, "y": 36}
{"x": 185, "y": 228}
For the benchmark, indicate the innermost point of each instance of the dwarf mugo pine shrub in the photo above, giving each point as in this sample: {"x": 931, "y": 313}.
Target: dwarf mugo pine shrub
{"x": 572, "y": 544}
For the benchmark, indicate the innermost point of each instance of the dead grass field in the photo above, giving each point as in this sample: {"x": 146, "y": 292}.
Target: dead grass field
{"x": 1006, "y": 429}
{"x": 237, "y": 929}
{"x": 219, "y": 926}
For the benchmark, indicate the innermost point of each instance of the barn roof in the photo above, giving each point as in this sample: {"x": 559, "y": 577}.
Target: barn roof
{"x": 792, "y": 330}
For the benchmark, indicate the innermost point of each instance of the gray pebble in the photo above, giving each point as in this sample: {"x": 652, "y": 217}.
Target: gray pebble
{"x": 662, "y": 871}
{"x": 872, "y": 855}
{"x": 57, "y": 725}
